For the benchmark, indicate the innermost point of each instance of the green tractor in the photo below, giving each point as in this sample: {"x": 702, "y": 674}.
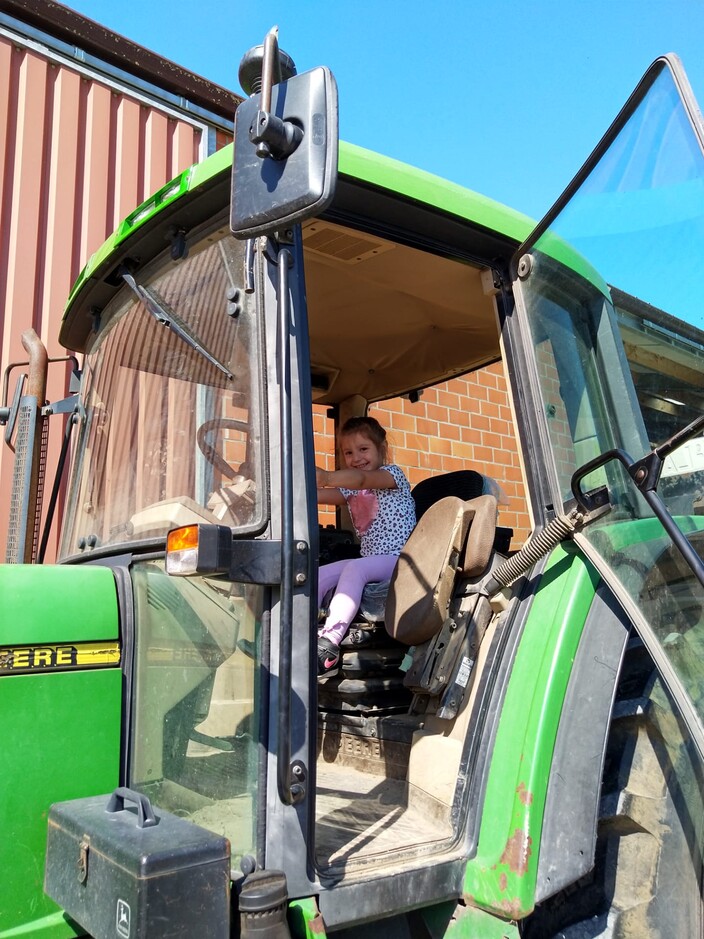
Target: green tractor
{"x": 514, "y": 745}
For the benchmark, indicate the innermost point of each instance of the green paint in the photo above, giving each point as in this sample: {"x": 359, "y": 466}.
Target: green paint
{"x": 302, "y": 914}
{"x": 642, "y": 530}
{"x": 56, "y": 603}
{"x": 54, "y": 926}
{"x": 502, "y": 876}
{"x": 395, "y": 176}
{"x": 353, "y": 161}
{"x": 220, "y": 163}
{"x": 61, "y": 741}
{"x": 562, "y": 251}
{"x": 360, "y": 164}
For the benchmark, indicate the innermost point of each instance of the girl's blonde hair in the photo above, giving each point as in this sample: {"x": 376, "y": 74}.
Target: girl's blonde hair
{"x": 369, "y": 427}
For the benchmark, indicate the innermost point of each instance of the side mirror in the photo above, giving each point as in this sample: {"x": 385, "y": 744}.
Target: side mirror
{"x": 285, "y": 152}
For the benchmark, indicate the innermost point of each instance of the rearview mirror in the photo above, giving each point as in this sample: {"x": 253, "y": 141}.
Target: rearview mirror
{"x": 292, "y": 175}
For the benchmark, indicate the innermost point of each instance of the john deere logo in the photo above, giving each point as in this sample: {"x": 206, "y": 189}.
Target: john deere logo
{"x": 122, "y": 919}
{"x": 44, "y": 658}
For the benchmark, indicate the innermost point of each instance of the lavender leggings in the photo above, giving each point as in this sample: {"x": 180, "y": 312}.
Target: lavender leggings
{"x": 350, "y": 578}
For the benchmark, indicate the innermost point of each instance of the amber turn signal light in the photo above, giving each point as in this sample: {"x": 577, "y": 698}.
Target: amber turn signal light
{"x": 199, "y": 549}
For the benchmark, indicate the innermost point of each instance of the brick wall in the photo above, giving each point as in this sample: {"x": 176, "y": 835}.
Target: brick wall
{"x": 465, "y": 423}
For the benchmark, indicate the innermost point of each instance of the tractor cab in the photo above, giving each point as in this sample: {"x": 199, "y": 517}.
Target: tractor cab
{"x": 478, "y": 756}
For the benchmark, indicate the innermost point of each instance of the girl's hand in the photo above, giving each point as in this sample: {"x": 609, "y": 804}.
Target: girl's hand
{"x": 328, "y": 493}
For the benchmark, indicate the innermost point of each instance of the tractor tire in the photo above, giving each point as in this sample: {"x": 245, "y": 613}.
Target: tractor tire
{"x": 647, "y": 877}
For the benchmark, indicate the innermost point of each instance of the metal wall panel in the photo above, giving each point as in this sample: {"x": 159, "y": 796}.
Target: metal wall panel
{"x": 77, "y": 153}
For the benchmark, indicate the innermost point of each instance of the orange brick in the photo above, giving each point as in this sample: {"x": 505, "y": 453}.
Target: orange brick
{"x": 465, "y": 450}
{"x": 459, "y": 418}
{"x": 393, "y": 405}
{"x": 437, "y": 413}
{"x": 416, "y": 442}
{"x": 448, "y": 399}
{"x": 440, "y": 445}
{"x": 492, "y": 440}
{"x": 503, "y": 428}
{"x": 481, "y": 422}
{"x": 489, "y": 409}
{"x": 484, "y": 454}
{"x": 403, "y": 422}
{"x": 427, "y": 428}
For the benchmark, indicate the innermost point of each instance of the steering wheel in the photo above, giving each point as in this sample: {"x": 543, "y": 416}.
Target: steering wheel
{"x": 209, "y": 451}
{"x": 238, "y": 498}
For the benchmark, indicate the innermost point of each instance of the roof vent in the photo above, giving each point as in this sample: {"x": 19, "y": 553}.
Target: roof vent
{"x": 342, "y": 244}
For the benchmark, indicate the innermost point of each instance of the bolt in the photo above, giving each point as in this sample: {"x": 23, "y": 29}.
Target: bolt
{"x": 525, "y": 265}
{"x": 300, "y": 578}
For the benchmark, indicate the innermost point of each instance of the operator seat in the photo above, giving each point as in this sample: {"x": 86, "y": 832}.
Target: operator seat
{"x": 465, "y": 485}
{"x": 428, "y": 607}
{"x": 454, "y": 538}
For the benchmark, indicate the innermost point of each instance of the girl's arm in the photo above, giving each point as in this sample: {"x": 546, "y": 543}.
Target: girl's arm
{"x": 354, "y": 479}
{"x": 330, "y": 497}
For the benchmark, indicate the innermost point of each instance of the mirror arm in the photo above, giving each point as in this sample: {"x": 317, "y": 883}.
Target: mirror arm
{"x": 272, "y": 137}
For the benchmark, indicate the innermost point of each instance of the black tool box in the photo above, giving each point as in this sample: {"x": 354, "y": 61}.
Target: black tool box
{"x": 133, "y": 872}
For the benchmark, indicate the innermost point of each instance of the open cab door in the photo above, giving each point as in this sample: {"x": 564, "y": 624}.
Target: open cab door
{"x": 612, "y": 270}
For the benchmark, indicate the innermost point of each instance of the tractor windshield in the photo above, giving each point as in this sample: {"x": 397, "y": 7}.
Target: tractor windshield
{"x": 636, "y": 215}
{"x": 170, "y": 428}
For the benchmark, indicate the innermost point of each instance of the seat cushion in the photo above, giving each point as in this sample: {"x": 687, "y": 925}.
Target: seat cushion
{"x": 421, "y": 585}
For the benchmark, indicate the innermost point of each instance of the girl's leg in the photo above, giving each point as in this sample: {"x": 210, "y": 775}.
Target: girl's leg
{"x": 352, "y": 579}
{"x": 328, "y": 576}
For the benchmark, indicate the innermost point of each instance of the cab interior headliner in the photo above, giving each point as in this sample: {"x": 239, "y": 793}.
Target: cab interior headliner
{"x": 386, "y": 318}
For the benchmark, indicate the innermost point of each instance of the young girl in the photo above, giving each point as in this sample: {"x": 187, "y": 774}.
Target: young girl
{"x": 383, "y": 513}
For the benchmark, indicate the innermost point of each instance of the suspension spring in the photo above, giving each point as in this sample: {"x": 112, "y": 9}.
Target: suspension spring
{"x": 557, "y": 530}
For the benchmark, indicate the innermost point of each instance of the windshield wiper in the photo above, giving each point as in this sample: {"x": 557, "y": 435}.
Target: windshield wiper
{"x": 165, "y": 315}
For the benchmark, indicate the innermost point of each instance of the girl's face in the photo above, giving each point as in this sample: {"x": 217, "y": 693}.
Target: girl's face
{"x": 359, "y": 452}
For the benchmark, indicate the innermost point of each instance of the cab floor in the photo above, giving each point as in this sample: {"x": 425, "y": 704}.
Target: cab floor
{"x": 360, "y": 816}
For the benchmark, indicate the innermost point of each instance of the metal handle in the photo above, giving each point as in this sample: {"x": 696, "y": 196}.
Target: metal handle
{"x": 145, "y": 813}
{"x": 286, "y": 793}
{"x": 644, "y": 474}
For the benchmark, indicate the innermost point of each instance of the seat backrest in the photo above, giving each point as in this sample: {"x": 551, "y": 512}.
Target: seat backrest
{"x": 465, "y": 484}
{"x": 482, "y": 535}
{"x": 438, "y": 549}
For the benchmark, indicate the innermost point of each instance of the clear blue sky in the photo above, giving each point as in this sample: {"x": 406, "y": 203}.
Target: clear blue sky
{"x": 505, "y": 97}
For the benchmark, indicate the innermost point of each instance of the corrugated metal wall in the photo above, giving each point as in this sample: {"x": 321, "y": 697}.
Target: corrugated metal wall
{"x": 77, "y": 153}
